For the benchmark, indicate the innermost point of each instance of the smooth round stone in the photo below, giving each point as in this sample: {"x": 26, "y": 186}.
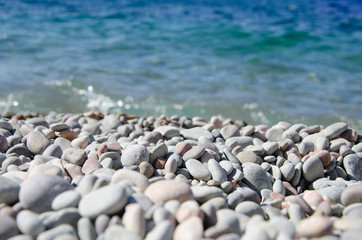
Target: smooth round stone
{"x": 217, "y": 172}
{"x": 9, "y": 191}
{"x": 66, "y": 199}
{"x": 334, "y": 130}
{"x": 313, "y": 198}
{"x": 278, "y": 187}
{"x": 249, "y": 208}
{"x": 134, "y": 219}
{"x": 75, "y": 156}
{"x": 313, "y": 169}
{"x": 163, "y": 230}
{"x": 315, "y": 226}
{"x": 323, "y": 155}
{"x": 57, "y": 127}
{"x": 191, "y": 228}
{"x": 8, "y": 227}
{"x": 37, "y": 142}
{"x": 352, "y": 234}
{"x": 53, "y": 150}
{"x": 205, "y": 193}
{"x": 53, "y": 233}
{"x": 4, "y": 144}
{"x": 283, "y": 225}
{"x": 353, "y": 210}
{"x": 234, "y": 198}
{"x": 106, "y": 200}
{"x": 198, "y": 170}
{"x": 195, "y": 133}
{"x": 135, "y": 177}
{"x": 243, "y": 141}
{"x": 247, "y": 156}
{"x": 296, "y": 213}
{"x": 38, "y": 192}
{"x": 194, "y": 153}
{"x": 134, "y": 155}
{"x": 63, "y": 143}
{"x": 158, "y": 151}
{"x": 333, "y": 192}
{"x": 255, "y": 233}
{"x": 255, "y": 177}
{"x": 86, "y": 229}
{"x": 118, "y": 232}
{"x": 37, "y": 121}
{"x": 291, "y": 134}
{"x": 288, "y": 171}
{"x": 147, "y": 169}
{"x": 227, "y": 166}
{"x": 165, "y": 190}
{"x": 182, "y": 147}
{"x": 353, "y": 166}
{"x": 171, "y": 165}
{"x": 6, "y": 125}
{"x": 206, "y": 143}
{"x": 80, "y": 142}
{"x": 229, "y": 218}
{"x": 110, "y": 121}
{"x": 274, "y": 134}
{"x": 352, "y": 194}
{"x": 52, "y": 219}
{"x": 270, "y": 147}
{"x": 229, "y": 131}
{"x": 46, "y": 169}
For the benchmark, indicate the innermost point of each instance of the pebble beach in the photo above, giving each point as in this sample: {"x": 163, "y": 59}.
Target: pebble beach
{"x": 108, "y": 176}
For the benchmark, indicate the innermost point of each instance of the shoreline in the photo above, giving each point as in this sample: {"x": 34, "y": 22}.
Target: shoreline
{"x": 124, "y": 176}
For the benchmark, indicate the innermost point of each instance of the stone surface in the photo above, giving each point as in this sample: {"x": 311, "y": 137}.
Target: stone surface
{"x": 75, "y": 156}
{"x": 315, "y": 226}
{"x": 106, "y": 200}
{"x": 66, "y": 199}
{"x": 117, "y": 232}
{"x": 217, "y": 172}
{"x": 353, "y": 166}
{"x": 189, "y": 229}
{"x": 134, "y": 220}
{"x": 335, "y": 129}
{"x": 37, "y": 142}
{"x": 198, "y": 170}
{"x": 8, "y": 227}
{"x": 195, "y": 133}
{"x": 247, "y": 156}
{"x": 313, "y": 169}
{"x": 138, "y": 179}
{"x": 194, "y": 153}
{"x": 352, "y": 194}
{"x": 9, "y": 191}
{"x": 165, "y": 190}
{"x": 255, "y": 177}
{"x": 38, "y": 191}
{"x": 134, "y": 155}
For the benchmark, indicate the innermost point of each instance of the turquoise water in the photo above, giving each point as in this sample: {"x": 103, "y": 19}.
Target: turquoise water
{"x": 259, "y": 61}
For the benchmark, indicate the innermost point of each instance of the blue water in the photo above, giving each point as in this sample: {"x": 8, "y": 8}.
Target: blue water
{"x": 259, "y": 61}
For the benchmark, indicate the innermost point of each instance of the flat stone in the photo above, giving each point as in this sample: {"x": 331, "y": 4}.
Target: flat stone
{"x": 94, "y": 204}
{"x": 53, "y": 150}
{"x": 159, "y": 151}
{"x": 37, "y": 142}
{"x": 229, "y": 131}
{"x": 249, "y": 208}
{"x": 171, "y": 165}
{"x": 63, "y": 143}
{"x": 38, "y": 192}
{"x": 182, "y": 147}
{"x": 255, "y": 177}
{"x": 352, "y": 165}
{"x": 334, "y": 130}
{"x": 53, "y": 233}
{"x": 227, "y": 166}
{"x": 134, "y": 155}
{"x": 165, "y": 190}
{"x": 242, "y": 141}
{"x": 66, "y": 199}
{"x": 313, "y": 169}
{"x": 75, "y": 156}
{"x": 247, "y": 156}
{"x": 205, "y": 193}
{"x": 274, "y": 134}
{"x": 195, "y": 133}
{"x": 134, "y": 219}
{"x": 217, "y": 172}
{"x": 57, "y": 127}
{"x": 81, "y": 142}
{"x": 287, "y": 171}
{"x": 37, "y": 121}
{"x": 194, "y": 153}
{"x": 138, "y": 179}
{"x": 29, "y": 223}
{"x": 86, "y": 229}
{"x": 198, "y": 170}
{"x": 315, "y": 226}
{"x": 8, "y": 227}
{"x": 352, "y": 194}
{"x": 147, "y": 169}
{"x": 191, "y": 228}
{"x": 64, "y": 216}
{"x": 9, "y": 191}
{"x": 270, "y": 147}
{"x": 163, "y": 230}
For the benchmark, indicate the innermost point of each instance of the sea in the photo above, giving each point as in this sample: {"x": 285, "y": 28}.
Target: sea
{"x": 260, "y": 61}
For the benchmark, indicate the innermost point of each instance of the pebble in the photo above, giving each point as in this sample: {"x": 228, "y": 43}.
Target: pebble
{"x": 191, "y": 229}
{"x": 255, "y": 177}
{"x": 195, "y": 133}
{"x": 134, "y": 220}
{"x": 53, "y": 233}
{"x": 138, "y": 179}
{"x": 37, "y": 192}
{"x": 274, "y": 134}
{"x": 217, "y": 172}
{"x": 162, "y": 231}
{"x": 134, "y": 155}
{"x": 313, "y": 169}
{"x": 249, "y": 208}
{"x": 247, "y": 156}
{"x": 352, "y": 194}
{"x": 94, "y": 204}
{"x": 86, "y": 230}
{"x": 37, "y": 142}
{"x": 334, "y": 130}
{"x": 288, "y": 171}
{"x": 229, "y": 131}
{"x": 118, "y": 232}
{"x": 194, "y": 153}
{"x": 158, "y": 151}
{"x": 270, "y": 147}
{"x": 75, "y": 156}
{"x": 165, "y": 190}
{"x": 315, "y": 226}
{"x": 66, "y": 199}
{"x": 9, "y": 191}
{"x": 8, "y": 227}
{"x": 352, "y": 164}
{"x": 204, "y": 193}
{"x": 198, "y": 170}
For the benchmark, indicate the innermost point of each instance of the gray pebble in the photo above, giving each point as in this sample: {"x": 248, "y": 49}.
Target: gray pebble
{"x": 134, "y": 155}
{"x": 334, "y": 130}
{"x": 288, "y": 171}
{"x": 86, "y": 229}
{"x": 195, "y": 133}
{"x": 8, "y": 227}
{"x": 274, "y": 134}
{"x": 53, "y": 219}
{"x": 53, "y": 150}
{"x": 66, "y": 199}
{"x": 205, "y": 193}
{"x": 75, "y": 156}
{"x": 162, "y": 231}
{"x": 118, "y": 232}
{"x": 198, "y": 170}
{"x": 353, "y": 166}
{"x": 53, "y": 233}
{"x": 37, "y": 142}
{"x": 313, "y": 169}
{"x": 217, "y": 172}
{"x": 9, "y": 191}
{"x": 255, "y": 177}
{"x": 158, "y": 151}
